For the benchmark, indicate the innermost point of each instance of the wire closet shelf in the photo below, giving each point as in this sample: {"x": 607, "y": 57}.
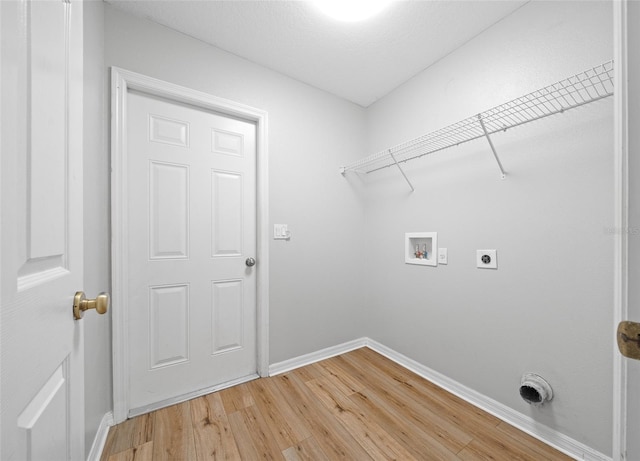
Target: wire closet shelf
{"x": 580, "y": 89}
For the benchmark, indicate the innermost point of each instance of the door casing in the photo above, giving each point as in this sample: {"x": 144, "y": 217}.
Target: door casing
{"x": 121, "y": 82}
{"x": 621, "y": 217}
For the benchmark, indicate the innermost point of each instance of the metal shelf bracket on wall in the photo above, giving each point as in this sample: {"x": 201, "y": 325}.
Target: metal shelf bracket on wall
{"x": 493, "y": 149}
{"x": 401, "y": 171}
{"x": 583, "y": 88}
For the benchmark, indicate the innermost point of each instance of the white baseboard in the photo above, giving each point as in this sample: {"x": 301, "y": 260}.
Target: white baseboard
{"x": 561, "y": 442}
{"x": 565, "y": 444}
{"x": 101, "y": 437}
{"x": 307, "y": 359}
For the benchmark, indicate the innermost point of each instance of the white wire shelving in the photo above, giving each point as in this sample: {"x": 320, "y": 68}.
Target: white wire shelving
{"x": 588, "y": 86}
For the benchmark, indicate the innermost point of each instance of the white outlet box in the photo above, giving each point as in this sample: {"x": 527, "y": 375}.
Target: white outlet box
{"x": 443, "y": 256}
{"x": 487, "y": 259}
{"x": 421, "y": 248}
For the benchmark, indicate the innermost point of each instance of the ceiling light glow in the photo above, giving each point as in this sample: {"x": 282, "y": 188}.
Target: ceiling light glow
{"x": 351, "y": 10}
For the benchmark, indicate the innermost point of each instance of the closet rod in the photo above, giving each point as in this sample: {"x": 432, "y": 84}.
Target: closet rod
{"x": 583, "y": 88}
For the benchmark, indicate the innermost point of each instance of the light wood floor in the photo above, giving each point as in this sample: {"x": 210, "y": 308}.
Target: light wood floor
{"x": 357, "y": 406}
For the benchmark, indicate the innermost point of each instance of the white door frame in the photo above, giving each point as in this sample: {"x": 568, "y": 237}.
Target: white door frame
{"x": 121, "y": 82}
{"x": 621, "y": 185}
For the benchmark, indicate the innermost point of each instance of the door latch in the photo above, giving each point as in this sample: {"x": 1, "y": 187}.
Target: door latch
{"x": 628, "y": 338}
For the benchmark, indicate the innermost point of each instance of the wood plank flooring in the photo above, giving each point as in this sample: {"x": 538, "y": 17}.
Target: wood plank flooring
{"x": 357, "y": 406}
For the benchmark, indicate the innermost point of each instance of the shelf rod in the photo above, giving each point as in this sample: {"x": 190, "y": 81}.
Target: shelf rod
{"x": 493, "y": 149}
{"x": 402, "y": 171}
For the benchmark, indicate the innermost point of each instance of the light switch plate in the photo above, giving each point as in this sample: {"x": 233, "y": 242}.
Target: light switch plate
{"x": 442, "y": 256}
{"x": 487, "y": 259}
{"x": 281, "y": 232}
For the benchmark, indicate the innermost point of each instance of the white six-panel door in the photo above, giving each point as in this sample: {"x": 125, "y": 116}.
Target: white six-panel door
{"x": 42, "y": 375}
{"x": 191, "y": 214}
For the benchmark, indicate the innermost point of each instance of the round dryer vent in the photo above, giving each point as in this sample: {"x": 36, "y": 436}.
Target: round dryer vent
{"x": 534, "y": 389}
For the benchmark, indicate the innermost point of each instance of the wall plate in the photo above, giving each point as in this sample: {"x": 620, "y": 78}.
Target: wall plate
{"x": 443, "y": 256}
{"x": 281, "y": 232}
{"x": 487, "y": 259}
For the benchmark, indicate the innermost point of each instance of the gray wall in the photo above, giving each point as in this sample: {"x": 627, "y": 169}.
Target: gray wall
{"x": 342, "y": 276}
{"x": 547, "y": 309}
{"x": 315, "y": 281}
{"x": 316, "y": 284}
{"x": 97, "y": 278}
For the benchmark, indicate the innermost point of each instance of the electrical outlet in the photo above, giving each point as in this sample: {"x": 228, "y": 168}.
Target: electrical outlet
{"x": 487, "y": 259}
{"x": 442, "y": 256}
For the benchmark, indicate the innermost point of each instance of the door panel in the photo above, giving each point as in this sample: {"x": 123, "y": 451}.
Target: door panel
{"x": 191, "y": 223}
{"x": 226, "y": 211}
{"x": 42, "y": 376}
{"x": 172, "y": 132}
{"x": 47, "y": 113}
{"x": 227, "y": 319}
{"x": 40, "y": 421}
{"x": 169, "y": 208}
{"x": 169, "y": 326}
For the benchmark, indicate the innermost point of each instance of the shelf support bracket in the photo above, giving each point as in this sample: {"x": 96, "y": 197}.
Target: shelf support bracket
{"x": 493, "y": 149}
{"x": 401, "y": 171}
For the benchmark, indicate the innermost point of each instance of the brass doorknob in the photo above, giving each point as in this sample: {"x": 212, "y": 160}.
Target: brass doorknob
{"x": 628, "y": 337}
{"x": 81, "y": 304}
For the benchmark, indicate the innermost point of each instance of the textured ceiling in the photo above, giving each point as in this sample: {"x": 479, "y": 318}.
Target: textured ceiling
{"x": 360, "y": 62}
